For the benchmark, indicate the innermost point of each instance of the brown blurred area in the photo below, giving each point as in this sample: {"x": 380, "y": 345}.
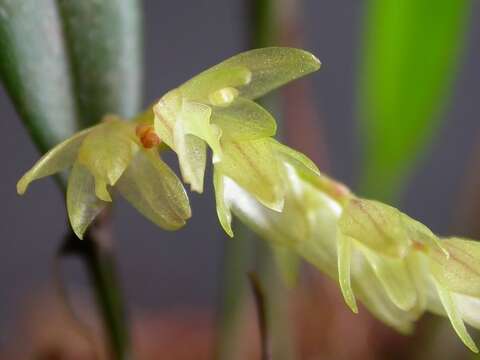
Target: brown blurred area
{"x": 323, "y": 326}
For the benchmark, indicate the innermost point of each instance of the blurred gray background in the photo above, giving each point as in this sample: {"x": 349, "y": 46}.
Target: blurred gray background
{"x": 161, "y": 269}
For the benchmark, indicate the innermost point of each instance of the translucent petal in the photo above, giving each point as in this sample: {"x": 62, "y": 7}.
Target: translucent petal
{"x": 375, "y": 225}
{"x": 57, "y": 159}
{"x": 421, "y": 235}
{"x": 453, "y": 313}
{"x": 192, "y": 156}
{"x": 254, "y": 73}
{"x": 460, "y": 271}
{"x": 101, "y": 190}
{"x": 370, "y": 291}
{"x": 395, "y": 277}
{"x": 196, "y": 121}
{"x": 417, "y": 265}
{"x": 155, "y": 191}
{"x": 166, "y": 112}
{"x": 223, "y": 207}
{"x": 296, "y": 158}
{"x": 344, "y": 244}
{"x": 254, "y": 166}
{"x": 469, "y": 307}
{"x": 107, "y": 151}
{"x": 207, "y": 84}
{"x": 244, "y": 120}
{"x": 82, "y": 203}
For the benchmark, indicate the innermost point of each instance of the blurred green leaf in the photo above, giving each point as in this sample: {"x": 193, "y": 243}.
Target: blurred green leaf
{"x": 410, "y": 57}
{"x": 65, "y": 64}
{"x": 35, "y": 71}
{"x": 105, "y": 46}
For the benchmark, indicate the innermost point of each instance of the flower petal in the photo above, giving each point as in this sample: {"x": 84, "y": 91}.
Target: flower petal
{"x": 82, "y": 203}
{"x": 254, "y": 73}
{"x": 455, "y": 317}
{"x": 371, "y": 292}
{"x": 395, "y": 277}
{"x": 166, "y": 111}
{"x": 107, "y": 151}
{"x": 344, "y": 249}
{"x": 155, "y": 191}
{"x": 195, "y": 118}
{"x": 205, "y": 86}
{"x": 375, "y": 225}
{"x": 57, "y": 159}
{"x": 460, "y": 271}
{"x": 192, "y": 157}
{"x": 223, "y": 207}
{"x": 255, "y": 167}
{"x": 244, "y": 120}
{"x": 421, "y": 235}
{"x": 295, "y": 158}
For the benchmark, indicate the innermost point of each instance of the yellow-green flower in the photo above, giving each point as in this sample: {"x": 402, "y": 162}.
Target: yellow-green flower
{"x": 216, "y": 109}
{"x": 118, "y": 154}
{"x": 395, "y": 265}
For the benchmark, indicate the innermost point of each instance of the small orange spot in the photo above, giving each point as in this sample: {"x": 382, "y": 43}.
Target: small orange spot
{"x": 147, "y": 136}
{"x": 418, "y": 246}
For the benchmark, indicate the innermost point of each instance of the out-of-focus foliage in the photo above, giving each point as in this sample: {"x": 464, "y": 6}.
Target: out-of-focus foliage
{"x": 410, "y": 57}
{"x": 34, "y": 66}
{"x": 65, "y": 64}
{"x": 104, "y": 41}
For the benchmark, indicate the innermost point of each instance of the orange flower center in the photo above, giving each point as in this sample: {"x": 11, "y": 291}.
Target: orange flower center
{"x": 147, "y": 136}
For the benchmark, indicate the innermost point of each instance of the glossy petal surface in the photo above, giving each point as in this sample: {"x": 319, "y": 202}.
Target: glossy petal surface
{"x": 155, "y": 191}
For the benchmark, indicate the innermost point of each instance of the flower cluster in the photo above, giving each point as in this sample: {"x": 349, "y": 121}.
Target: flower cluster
{"x": 395, "y": 265}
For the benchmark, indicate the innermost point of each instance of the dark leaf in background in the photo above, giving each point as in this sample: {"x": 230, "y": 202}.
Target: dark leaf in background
{"x": 410, "y": 57}
{"x": 104, "y": 41}
{"x": 35, "y": 70}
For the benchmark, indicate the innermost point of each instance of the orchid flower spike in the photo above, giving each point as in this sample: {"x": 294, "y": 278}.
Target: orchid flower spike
{"x": 393, "y": 264}
{"x": 216, "y": 108}
{"x": 119, "y": 154}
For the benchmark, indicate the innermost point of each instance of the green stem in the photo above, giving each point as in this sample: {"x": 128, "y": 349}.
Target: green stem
{"x": 96, "y": 253}
{"x": 261, "y": 305}
{"x": 237, "y": 259}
